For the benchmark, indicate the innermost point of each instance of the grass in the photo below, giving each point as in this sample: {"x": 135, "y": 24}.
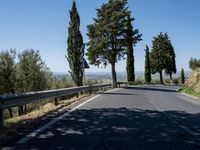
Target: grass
{"x": 190, "y": 91}
{"x": 48, "y": 107}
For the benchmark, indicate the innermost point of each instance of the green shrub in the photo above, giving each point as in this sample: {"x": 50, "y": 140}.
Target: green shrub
{"x": 190, "y": 91}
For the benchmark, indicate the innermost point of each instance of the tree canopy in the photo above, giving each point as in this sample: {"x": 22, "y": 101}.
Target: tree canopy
{"x": 194, "y": 63}
{"x": 32, "y": 72}
{"x": 170, "y": 58}
{"x": 162, "y": 56}
{"x": 108, "y": 35}
{"x": 7, "y": 71}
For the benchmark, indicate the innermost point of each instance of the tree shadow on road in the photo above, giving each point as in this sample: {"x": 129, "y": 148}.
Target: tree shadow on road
{"x": 116, "y": 93}
{"x": 156, "y": 89}
{"x": 120, "y": 129}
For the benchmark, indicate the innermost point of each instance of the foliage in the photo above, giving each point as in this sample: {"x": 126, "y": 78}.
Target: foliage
{"x": 147, "y": 73}
{"x": 132, "y": 37}
{"x": 29, "y": 74}
{"x": 61, "y": 82}
{"x": 176, "y": 81}
{"x": 182, "y": 76}
{"x": 7, "y": 71}
{"x": 32, "y": 72}
{"x": 190, "y": 91}
{"x": 194, "y": 63}
{"x": 170, "y": 59}
{"x": 108, "y": 35}
{"x": 162, "y": 56}
{"x": 75, "y": 50}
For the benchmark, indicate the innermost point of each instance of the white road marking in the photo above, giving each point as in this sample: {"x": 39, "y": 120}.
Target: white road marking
{"x": 83, "y": 103}
{"x": 48, "y": 125}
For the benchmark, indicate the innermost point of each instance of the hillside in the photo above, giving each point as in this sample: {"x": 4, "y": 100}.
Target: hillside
{"x": 192, "y": 84}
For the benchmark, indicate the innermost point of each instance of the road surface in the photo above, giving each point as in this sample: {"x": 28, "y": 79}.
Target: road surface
{"x": 131, "y": 118}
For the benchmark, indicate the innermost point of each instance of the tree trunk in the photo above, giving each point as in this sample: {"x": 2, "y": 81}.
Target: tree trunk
{"x": 170, "y": 75}
{"x": 161, "y": 78}
{"x": 114, "y": 76}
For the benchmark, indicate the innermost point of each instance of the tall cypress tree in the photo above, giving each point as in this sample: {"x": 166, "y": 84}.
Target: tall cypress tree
{"x": 147, "y": 74}
{"x": 163, "y": 56}
{"x": 158, "y": 55}
{"x": 182, "y": 76}
{"x": 170, "y": 58}
{"x": 132, "y": 38}
{"x": 75, "y": 47}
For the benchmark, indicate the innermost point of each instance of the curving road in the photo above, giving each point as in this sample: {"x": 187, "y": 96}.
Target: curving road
{"x": 131, "y": 118}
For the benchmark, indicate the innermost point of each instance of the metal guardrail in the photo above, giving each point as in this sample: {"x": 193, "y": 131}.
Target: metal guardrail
{"x": 125, "y": 83}
{"x": 8, "y": 101}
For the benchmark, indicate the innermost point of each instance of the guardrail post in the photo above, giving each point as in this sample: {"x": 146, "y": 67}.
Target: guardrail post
{"x": 119, "y": 84}
{"x": 56, "y": 101}
{"x": 1, "y": 118}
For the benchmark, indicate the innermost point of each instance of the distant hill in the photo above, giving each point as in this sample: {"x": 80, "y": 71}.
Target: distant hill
{"x": 107, "y": 76}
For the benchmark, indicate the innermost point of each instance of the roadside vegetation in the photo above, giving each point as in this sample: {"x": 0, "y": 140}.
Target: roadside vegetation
{"x": 190, "y": 91}
{"x": 26, "y": 72}
{"x": 192, "y": 84}
{"x": 194, "y": 63}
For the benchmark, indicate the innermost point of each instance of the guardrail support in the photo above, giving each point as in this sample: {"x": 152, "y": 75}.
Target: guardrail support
{"x": 1, "y": 118}
{"x": 56, "y": 101}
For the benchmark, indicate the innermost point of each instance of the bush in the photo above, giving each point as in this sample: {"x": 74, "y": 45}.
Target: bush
{"x": 176, "y": 81}
{"x": 194, "y": 63}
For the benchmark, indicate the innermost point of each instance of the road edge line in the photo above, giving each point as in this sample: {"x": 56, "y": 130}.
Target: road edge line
{"x": 49, "y": 124}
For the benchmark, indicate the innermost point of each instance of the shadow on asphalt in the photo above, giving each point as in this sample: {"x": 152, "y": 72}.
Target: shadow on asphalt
{"x": 156, "y": 89}
{"x": 117, "y": 93}
{"x": 119, "y": 129}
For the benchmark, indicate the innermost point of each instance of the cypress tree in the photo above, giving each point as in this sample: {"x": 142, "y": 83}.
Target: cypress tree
{"x": 158, "y": 56}
{"x": 163, "y": 56}
{"x": 170, "y": 58}
{"x": 147, "y": 74}
{"x": 182, "y": 76}
{"x": 75, "y": 50}
{"x": 132, "y": 38}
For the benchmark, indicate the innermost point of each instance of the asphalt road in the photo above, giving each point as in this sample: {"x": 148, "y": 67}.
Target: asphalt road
{"x": 131, "y": 118}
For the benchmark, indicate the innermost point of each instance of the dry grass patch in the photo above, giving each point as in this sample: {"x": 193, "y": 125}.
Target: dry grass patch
{"x": 43, "y": 110}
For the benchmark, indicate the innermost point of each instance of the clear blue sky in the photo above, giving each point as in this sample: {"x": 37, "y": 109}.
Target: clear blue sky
{"x": 42, "y": 25}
